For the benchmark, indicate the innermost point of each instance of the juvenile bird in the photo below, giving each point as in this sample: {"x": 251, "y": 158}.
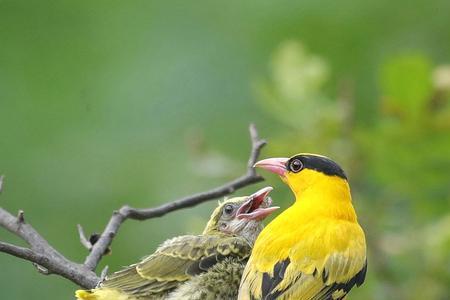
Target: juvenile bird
{"x": 315, "y": 249}
{"x": 206, "y": 266}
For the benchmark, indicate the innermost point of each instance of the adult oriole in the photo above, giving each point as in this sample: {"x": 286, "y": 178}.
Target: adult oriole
{"x": 315, "y": 249}
{"x": 206, "y": 266}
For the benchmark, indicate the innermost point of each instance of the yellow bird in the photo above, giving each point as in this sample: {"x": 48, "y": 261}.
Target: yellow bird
{"x": 194, "y": 267}
{"x": 315, "y": 249}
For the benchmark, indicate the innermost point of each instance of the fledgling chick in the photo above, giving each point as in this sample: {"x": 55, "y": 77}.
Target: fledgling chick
{"x": 315, "y": 249}
{"x": 206, "y": 266}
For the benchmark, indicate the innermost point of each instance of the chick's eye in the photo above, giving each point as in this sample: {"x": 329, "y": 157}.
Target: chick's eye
{"x": 296, "y": 165}
{"x": 228, "y": 209}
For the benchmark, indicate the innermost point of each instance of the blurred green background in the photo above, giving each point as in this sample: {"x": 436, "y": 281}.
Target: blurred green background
{"x": 104, "y": 103}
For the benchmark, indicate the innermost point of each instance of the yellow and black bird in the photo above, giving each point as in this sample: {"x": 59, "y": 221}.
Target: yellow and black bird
{"x": 206, "y": 266}
{"x": 315, "y": 249}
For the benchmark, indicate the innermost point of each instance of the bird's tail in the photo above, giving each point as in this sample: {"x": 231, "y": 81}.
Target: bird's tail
{"x": 102, "y": 294}
{"x": 85, "y": 295}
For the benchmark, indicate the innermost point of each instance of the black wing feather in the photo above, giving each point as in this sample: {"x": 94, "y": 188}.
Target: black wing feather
{"x": 269, "y": 283}
{"x": 357, "y": 280}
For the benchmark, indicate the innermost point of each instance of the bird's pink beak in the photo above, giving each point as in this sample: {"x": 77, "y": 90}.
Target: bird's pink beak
{"x": 257, "y": 207}
{"x": 275, "y": 165}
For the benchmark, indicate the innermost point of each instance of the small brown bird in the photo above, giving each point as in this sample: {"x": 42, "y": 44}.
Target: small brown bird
{"x": 206, "y": 266}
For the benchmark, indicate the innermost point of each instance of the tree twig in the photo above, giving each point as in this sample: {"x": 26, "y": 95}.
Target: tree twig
{"x": 104, "y": 273}
{"x": 83, "y": 240}
{"x": 50, "y": 261}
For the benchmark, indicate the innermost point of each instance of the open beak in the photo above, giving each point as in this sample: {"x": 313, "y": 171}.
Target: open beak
{"x": 275, "y": 165}
{"x": 257, "y": 207}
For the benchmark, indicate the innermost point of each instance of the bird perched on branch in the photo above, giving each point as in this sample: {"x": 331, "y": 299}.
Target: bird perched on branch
{"x": 315, "y": 249}
{"x": 206, "y": 266}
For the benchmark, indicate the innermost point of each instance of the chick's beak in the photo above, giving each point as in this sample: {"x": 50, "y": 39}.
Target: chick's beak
{"x": 275, "y": 165}
{"x": 257, "y": 207}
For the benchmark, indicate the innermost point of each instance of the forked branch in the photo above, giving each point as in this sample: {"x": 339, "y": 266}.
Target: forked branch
{"x": 50, "y": 261}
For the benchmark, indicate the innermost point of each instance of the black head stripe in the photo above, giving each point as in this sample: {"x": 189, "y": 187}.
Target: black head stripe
{"x": 321, "y": 164}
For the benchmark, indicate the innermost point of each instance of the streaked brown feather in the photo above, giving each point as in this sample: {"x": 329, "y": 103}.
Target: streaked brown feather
{"x": 174, "y": 262}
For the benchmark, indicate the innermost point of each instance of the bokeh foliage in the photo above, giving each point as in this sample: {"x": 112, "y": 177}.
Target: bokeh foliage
{"x": 399, "y": 164}
{"x": 105, "y": 103}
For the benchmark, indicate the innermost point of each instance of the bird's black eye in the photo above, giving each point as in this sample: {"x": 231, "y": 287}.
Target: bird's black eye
{"x": 296, "y": 165}
{"x": 228, "y": 209}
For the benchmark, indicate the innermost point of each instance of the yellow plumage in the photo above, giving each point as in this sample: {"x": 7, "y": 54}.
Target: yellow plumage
{"x": 315, "y": 249}
{"x": 103, "y": 295}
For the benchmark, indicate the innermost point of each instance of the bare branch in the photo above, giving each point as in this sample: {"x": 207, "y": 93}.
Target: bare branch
{"x": 127, "y": 212}
{"x": 49, "y": 261}
{"x": 20, "y": 252}
{"x": 257, "y": 145}
{"x": 45, "y": 258}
